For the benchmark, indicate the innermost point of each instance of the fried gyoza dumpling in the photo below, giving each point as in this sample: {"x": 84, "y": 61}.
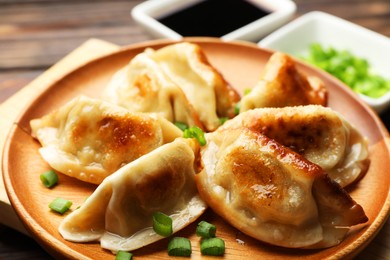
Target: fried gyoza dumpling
{"x": 272, "y": 193}
{"x": 142, "y": 87}
{"x": 281, "y": 84}
{"x": 174, "y": 80}
{"x": 89, "y": 139}
{"x": 320, "y": 134}
{"x": 119, "y": 212}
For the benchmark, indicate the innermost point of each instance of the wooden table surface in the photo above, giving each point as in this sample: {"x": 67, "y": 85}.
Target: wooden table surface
{"x": 35, "y": 34}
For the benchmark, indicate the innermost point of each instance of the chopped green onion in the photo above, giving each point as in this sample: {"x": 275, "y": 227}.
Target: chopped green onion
{"x": 222, "y": 120}
{"x": 162, "y": 224}
{"x": 350, "y": 69}
{"x": 179, "y": 246}
{"x": 60, "y": 205}
{"x": 181, "y": 125}
{"x": 237, "y": 108}
{"x": 195, "y": 132}
{"x": 205, "y": 229}
{"x": 49, "y": 178}
{"x": 247, "y": 91}
{"x": 123, "y": 255}
{"x": 212, "y": 246}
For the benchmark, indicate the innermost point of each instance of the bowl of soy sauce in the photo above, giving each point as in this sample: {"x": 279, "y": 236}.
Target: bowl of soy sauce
{"x": 228, "y": 19}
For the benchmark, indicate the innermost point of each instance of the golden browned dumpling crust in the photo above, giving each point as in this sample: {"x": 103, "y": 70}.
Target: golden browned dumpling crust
{"x": 282, "y": 84}
{"x": 272, "y": 193}
{"x": 318, "y": 133}
{"x": 176, "y": 81}
{"x": 90, "y": 139}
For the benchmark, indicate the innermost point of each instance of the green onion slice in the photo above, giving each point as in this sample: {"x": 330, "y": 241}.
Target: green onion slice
{"x": 205, "y": 229}
{"x": 60, "y": 205}
{"x": 222, "y": 120}
{"x": 247, "y": 91}
{"x": 195, "y": 132}
{"x": 179, "y": 246}
{"x": 49, "y": 178}
{"x": 181, "y": 125}
{"x": 237, "y": 108}
{"x": 123, "y": 255}
{"x": 212, "y": 246}
{"x": 162, "y": 224}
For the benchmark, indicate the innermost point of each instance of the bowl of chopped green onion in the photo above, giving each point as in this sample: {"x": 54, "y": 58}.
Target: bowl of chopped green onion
{"x": 353, "y": 54}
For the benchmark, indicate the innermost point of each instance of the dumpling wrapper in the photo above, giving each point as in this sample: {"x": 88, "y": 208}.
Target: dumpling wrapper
{"x": 89, "y": 139}
{"x": 175, "y": 80}
{"x": 318, "y": 133}
{"x": 119, "y": 212}
{"x": 271, "y": 193}
{"x": 282, "y": 84}
{"x": 142, "y": 87}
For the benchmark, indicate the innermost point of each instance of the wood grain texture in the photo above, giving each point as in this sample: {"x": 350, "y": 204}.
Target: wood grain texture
{"x": 38, "y": 35}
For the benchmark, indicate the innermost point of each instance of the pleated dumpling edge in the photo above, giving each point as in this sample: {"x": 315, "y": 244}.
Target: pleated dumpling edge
{"x": 89, "y": 139}
{"x": 119, "y": 212}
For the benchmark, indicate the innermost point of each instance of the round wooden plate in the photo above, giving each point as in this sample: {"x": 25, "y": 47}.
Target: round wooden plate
{"x": 241, "y": 64}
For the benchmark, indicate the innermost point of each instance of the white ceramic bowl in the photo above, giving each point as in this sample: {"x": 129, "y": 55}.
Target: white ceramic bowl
{"x": 331, "y": 31}
{"x": 147, "y": 13}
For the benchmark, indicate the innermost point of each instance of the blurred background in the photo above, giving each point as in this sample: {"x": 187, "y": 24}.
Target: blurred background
{"x": 34, "y": 34}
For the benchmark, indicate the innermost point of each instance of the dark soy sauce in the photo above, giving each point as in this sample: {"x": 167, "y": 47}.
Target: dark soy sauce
{"x": 213, "y": 18}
